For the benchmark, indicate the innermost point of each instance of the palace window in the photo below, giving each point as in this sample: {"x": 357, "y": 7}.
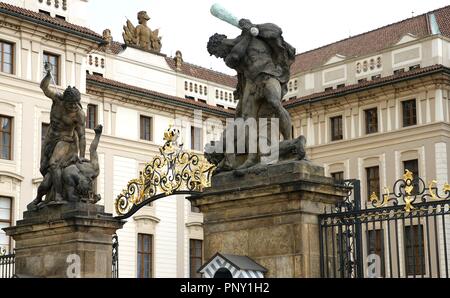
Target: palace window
{"x": 54, "y": 62}
{"x": 145, "y": 256}
{"x": 373, "y": 181}
{"x": 5, "y": 137}
{"x": 195, "y": 257}
{"x": 191, "y": 87}
{"x": 217, "y": 94}
{"x": 91, "y": 116}
{"x": 336, "y": 128}
{"x": 186, "y": 88}
{"x": 338, "y": 177}
{"x": 206, "y": 90}
{"x": 371, "y": 121}
{"x": 146, "y": 128}
{"x": 414, "y": 250}
{"x": 409, "y": 113}
{"x": 362, "y": 81}
{"x": 6, "y": 57}
{"x": 375, "y": 245}
{"x": 5, "y": 222}
{"x": 196, "y": 88}
{"x": 413, "y": 167}
{"x": 196, "y": 138}
{"x": 44, "y": 12}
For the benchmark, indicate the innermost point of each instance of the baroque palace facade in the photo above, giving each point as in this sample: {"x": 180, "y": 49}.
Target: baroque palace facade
{"x": 370, "y": 106}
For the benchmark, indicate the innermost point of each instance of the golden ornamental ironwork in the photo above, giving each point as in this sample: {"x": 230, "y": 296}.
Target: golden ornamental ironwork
{"x": 175, "y": 171}
{"x": 411, "y": 190}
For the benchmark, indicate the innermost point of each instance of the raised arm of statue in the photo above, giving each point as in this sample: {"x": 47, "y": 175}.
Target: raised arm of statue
{"x": 45, "y": 85}
{"x": 81, "y": 131}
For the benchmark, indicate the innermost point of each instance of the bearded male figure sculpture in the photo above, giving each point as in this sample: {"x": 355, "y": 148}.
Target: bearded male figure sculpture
{"x": 65, "y": 147}
{"x": 262, "y": 60}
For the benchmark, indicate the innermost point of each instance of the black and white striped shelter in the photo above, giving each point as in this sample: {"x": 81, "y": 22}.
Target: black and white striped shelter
{"x": 231, "y": 266}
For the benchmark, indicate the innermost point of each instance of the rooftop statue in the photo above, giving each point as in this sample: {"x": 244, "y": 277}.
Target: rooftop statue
{"x": 262, "y": 60}
{"x": 142, "y": 36}
{"x": 68, "y": 175}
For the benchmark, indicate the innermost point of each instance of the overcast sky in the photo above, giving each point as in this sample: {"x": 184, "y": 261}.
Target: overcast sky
{"x": 187, "y": 25}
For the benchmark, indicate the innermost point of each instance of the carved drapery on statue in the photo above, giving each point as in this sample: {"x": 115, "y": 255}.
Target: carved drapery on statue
{"x": 68, "y": 175}
{"x": 142, "y": 36}
{"x": 262, "y": 59}
{"x": 174, "y": 171}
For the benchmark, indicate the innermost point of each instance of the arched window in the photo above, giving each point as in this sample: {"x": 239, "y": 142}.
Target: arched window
{"x": 186, "y": 86}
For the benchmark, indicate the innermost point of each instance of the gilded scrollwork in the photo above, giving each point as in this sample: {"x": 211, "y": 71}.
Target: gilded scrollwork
{"x": 172, "y": 172}
{"x": 410, "y": 191}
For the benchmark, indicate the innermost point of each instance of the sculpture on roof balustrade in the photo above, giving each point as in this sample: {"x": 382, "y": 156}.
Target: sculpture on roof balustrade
{"x": 142, "y": 36}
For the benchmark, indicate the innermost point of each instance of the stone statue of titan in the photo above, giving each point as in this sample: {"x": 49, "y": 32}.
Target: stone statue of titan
{"x": 68, "y": 175}
{"x": 262, "y": 59}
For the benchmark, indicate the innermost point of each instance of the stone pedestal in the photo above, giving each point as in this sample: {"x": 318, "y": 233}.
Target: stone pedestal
{"x": 269, "y": 215}
{"x": 65, "y": 240}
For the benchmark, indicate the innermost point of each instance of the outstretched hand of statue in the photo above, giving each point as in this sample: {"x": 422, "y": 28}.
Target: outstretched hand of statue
{"x": 247, "y": 26}
{"x": 47, "y": 67}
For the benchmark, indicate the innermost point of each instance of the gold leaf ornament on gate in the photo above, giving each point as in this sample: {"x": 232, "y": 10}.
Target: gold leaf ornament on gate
{"x": 169, "y": 173}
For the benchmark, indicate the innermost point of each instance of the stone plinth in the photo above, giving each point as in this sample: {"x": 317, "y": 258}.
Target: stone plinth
{"x": 65, "y": 240}
{"x": 269, "y": 215}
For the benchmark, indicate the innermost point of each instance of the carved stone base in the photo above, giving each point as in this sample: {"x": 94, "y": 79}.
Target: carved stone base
{"x": 65, "y": 240}
{"x": 270, "y": 214}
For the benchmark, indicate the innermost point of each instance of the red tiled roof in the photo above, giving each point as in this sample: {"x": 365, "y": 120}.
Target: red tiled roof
{"x": 114, "y": 48}
{"x": 157, "y": 95}
{"x": 374, "y": 83}
{"x": 372, "y": 41}
{"x": 186, "y": 68}
{"x": 204, "y": 73}
{"x": 61, "y": 24}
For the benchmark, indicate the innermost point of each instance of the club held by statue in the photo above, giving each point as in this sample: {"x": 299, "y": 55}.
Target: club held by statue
{"x": 223, "y": 14}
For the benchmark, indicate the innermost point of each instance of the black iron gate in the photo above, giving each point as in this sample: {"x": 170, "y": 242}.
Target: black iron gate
{"x": 115, "y": 256}
{"x": 7, "y": 266}
{"x": 404, "y": 234}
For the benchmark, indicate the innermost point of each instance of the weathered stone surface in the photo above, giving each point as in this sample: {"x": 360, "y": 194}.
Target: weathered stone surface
{"x": 272, "y": 219}
{"x": 50, "y": 240}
